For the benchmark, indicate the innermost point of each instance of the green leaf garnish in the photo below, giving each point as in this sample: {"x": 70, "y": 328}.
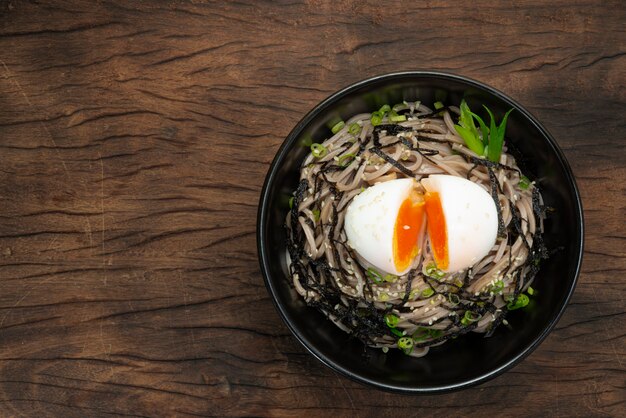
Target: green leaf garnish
{"x": 496, "y": 136}
{"x": 490, "y": 140}
{"x": 468, "y": 131}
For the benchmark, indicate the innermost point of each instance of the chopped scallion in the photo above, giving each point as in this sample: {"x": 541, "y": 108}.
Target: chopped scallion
{"x": 524, "y": 183}
{"x": 398, "y": 107}
{"x": 405, "y": 344}
{"x": 497, "y": 286}
{"x": 377, "y": 118}
{"x": 530, "y": 290}
{"x": 428, "y": 292}
{"x": 394, "y": 117}
{"x": 338, "y": 126}
{"x": 291, "y": 202}
{"x": 454, "y": 299}
{"x": 390, "y": 278}
{"x": 438, "y": 105}
{"x": 396, "y": 332}
{"x": 345, "y": 160}
{"x": 470, "y": 317}
{"x": 316, "y": 214}
{"x": 318, "y": 150}
{"x": 354, "y": 129}
{"x": 521, "y": 301}
{"x": 384, "y": 109}
{"x": 391, "y": 320}
{"x": 374, "y": 275}
{"x": 431, "y": 270}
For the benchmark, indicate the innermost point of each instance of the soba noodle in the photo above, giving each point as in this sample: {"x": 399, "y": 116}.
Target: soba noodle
{"x": 425, "y": 304}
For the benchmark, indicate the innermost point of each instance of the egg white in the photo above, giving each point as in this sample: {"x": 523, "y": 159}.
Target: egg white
{"x": 471, "y": 219}
{"x": 371, "y": 219}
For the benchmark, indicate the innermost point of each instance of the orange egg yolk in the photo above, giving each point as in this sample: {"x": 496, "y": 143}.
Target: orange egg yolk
{"x": 437, "y": 231}
{"x": 407, "y": 231}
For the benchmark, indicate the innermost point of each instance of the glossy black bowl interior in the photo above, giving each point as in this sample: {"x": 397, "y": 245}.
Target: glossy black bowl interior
{"x": 467, "y": 360}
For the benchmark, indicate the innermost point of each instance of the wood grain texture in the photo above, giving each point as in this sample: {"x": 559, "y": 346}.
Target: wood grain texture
{"x": 134, "y": 140}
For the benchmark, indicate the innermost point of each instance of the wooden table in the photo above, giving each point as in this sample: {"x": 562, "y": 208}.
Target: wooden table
{"x": 134, "y": 140}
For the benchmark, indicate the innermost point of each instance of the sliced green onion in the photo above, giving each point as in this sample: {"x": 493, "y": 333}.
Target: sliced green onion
{"x": 384, "y": 109}
{"x": 435, "y": 333}
{"x": 383, "y": 297}
{"x": 394, "y": 117}
{"x": 338, "y": 126}
{"x": 405, "y": 344}
{"x": 422, "y": 334}
{"x": 390, "y": 278}
{"x": 438, "y": 105}
{"x": 318, "y": 150}
{"x": 376, "y": 119}
{"x": 497, "y": 286}
{"x": 374, "y": 275}
{"x": 397, "y": 332}
{"x": 291, "y": 202}
{"x": 530, "y": 291}
{"x": 316, "y": 214}
{"x": 521, "y": 301}
{"x": 345, "y": 160}
{"x": 354, "y": 129}
{"x": 428, "y": 292}
{"x": 391, "y": 320}
{"x": 454, "y": 299}
{"x": 470, "y": 317}
{"x": 399, "y": 106}
{"x": 524, "y": 183}
{"x": 432, "y": 271}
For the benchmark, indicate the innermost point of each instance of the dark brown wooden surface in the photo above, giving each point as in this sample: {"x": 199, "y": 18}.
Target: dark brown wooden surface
{"x": 134, "y": 140}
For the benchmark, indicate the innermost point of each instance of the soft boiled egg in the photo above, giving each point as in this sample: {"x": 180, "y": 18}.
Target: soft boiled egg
{"x": 384, "y": 223}
{"x": 462, "y": 221}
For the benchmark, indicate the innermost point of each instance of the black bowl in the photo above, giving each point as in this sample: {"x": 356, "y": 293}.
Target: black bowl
{"x": 467, "y": 360}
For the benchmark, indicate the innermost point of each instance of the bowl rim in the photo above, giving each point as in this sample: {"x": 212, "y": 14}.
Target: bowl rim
{"x": 263, "y": 253}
